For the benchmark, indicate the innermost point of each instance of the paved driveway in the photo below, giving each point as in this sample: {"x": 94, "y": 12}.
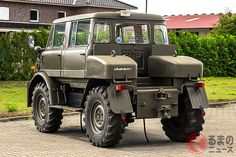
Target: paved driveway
{"x": 20, "y": 138}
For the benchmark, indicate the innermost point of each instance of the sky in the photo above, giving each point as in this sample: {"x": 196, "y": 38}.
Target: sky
{"x": 177, "y": 7}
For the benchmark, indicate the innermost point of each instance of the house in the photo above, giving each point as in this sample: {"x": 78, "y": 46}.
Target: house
{"x": 199, "y": 24}
{"x": 16, "y": 15}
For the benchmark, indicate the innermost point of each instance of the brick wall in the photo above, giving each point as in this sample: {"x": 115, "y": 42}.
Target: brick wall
{"x": 20, "y": 12}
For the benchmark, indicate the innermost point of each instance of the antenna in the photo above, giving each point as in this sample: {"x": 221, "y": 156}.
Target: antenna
{"x": 146, "y": 9}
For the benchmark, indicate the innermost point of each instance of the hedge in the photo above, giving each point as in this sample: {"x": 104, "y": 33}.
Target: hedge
{"x": 16, "y": 58}
{"x": 217, "y": 52}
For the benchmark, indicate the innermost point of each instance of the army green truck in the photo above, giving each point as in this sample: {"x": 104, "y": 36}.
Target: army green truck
{"x": 116, "y": 67}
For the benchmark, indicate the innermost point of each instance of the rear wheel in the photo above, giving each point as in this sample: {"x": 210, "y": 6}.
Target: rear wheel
{"x": 46, "y": 119}
{"x": 188, "y": 123}
{"x": 103, "y": 127}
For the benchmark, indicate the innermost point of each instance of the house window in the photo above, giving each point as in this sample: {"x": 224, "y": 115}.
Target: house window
{"x": 4, "y": 13}
{"x": 34, "y": 15}
{"x": 61, "y": 14}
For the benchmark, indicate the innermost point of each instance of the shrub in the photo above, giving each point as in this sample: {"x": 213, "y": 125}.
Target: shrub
{"x": 16, "y": 58}
{"x": 217, "y": 52}
{"x": 11, "y": 107}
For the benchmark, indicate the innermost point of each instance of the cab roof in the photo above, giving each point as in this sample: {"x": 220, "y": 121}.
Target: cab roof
{"x": 112, "y": 15}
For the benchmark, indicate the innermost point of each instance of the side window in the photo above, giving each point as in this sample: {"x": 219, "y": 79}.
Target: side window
{"x": 79, "y": 33}
{"x": 160, "y": 34}
{"x": 101, "y": 33}
{"x": 59, "y": 34}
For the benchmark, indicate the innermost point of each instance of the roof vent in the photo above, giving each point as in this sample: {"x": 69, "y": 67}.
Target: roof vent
{"x": 125, "y": 13}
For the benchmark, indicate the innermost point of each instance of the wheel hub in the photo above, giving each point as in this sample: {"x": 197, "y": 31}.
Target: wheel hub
{"x": 42, "y": 108}
{"x": 98, "y": 117}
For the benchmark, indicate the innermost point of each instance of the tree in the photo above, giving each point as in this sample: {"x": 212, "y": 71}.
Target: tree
{"x": 227, "y": 24}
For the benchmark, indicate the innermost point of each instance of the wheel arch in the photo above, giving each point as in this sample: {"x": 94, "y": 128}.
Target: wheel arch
{"x": 91, "y": 84}
{"x": 51, "y": 85}
{"x": 120, "y": 103}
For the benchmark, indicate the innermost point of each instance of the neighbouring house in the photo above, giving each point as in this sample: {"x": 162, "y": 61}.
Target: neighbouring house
{"x": 199, "y": 24}
{"x": 16, "y": 15}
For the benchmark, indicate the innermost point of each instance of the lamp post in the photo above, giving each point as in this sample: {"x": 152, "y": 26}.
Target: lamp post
{"x": 146, "y": 10}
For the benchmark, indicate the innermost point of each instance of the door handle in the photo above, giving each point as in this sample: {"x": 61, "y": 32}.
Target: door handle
{"x": 82, "y": 54}
{"x": 59, "y": 55}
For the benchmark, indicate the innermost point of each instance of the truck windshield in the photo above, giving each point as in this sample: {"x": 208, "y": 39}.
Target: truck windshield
{"x": 130, "y": 33}
{"x": 160, "y": 35}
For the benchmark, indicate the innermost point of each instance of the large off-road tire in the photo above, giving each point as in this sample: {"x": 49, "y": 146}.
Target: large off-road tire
{"x": 47, "y": 120}
{"x": 188, "y": 124}
{"x": 103, "y": 127}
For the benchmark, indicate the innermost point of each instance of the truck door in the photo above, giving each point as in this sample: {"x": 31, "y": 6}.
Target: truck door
{"x": 51, "y": 58}
{"x": 73, "y": 58}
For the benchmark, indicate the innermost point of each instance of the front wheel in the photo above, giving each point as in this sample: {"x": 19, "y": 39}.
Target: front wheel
{"x": 188, "y": 123}
{"x": 46, "y": 119}
{"x": 103, "y": 127}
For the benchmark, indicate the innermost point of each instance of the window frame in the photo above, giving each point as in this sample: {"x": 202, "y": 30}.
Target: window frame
{"x": 143, "y": 23}
{"x": 51, "y": 35}
{"x": 88, "y": 37}
{"x": 37, "y": 15}
{"x": 61, "y": 12}
{"x": 110, "y": 32}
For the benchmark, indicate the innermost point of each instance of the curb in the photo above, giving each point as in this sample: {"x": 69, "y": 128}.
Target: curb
{"x": 219, "y": 104}
{"x": 18, "y": 118}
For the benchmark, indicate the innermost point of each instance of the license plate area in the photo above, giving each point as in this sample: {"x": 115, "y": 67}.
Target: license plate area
{"x": 152, "y": 102}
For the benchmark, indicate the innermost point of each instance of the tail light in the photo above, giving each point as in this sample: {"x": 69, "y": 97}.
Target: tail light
{"x": 121, "y": 87}
{"x": 201, "y": 85}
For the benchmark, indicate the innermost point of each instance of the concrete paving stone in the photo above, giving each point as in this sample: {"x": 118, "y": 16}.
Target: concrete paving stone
{"x": 20, "y": 138}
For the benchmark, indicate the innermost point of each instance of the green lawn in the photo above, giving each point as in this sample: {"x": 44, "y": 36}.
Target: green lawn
{"x": 221, "y": 88}
{"x": 13, "y": 94}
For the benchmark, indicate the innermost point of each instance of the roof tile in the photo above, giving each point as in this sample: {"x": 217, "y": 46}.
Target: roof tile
{"x": 192, "y": 21}
{"x": 79, "y": 3}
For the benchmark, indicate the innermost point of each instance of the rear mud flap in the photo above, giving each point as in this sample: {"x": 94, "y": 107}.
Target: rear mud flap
{"x": 119, "y": 101}
{"x": 197, "y": 97}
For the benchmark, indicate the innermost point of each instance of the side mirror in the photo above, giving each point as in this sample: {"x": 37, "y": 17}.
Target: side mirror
{"x": 31, "y": 42}
{"x": 39, "y": 49}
